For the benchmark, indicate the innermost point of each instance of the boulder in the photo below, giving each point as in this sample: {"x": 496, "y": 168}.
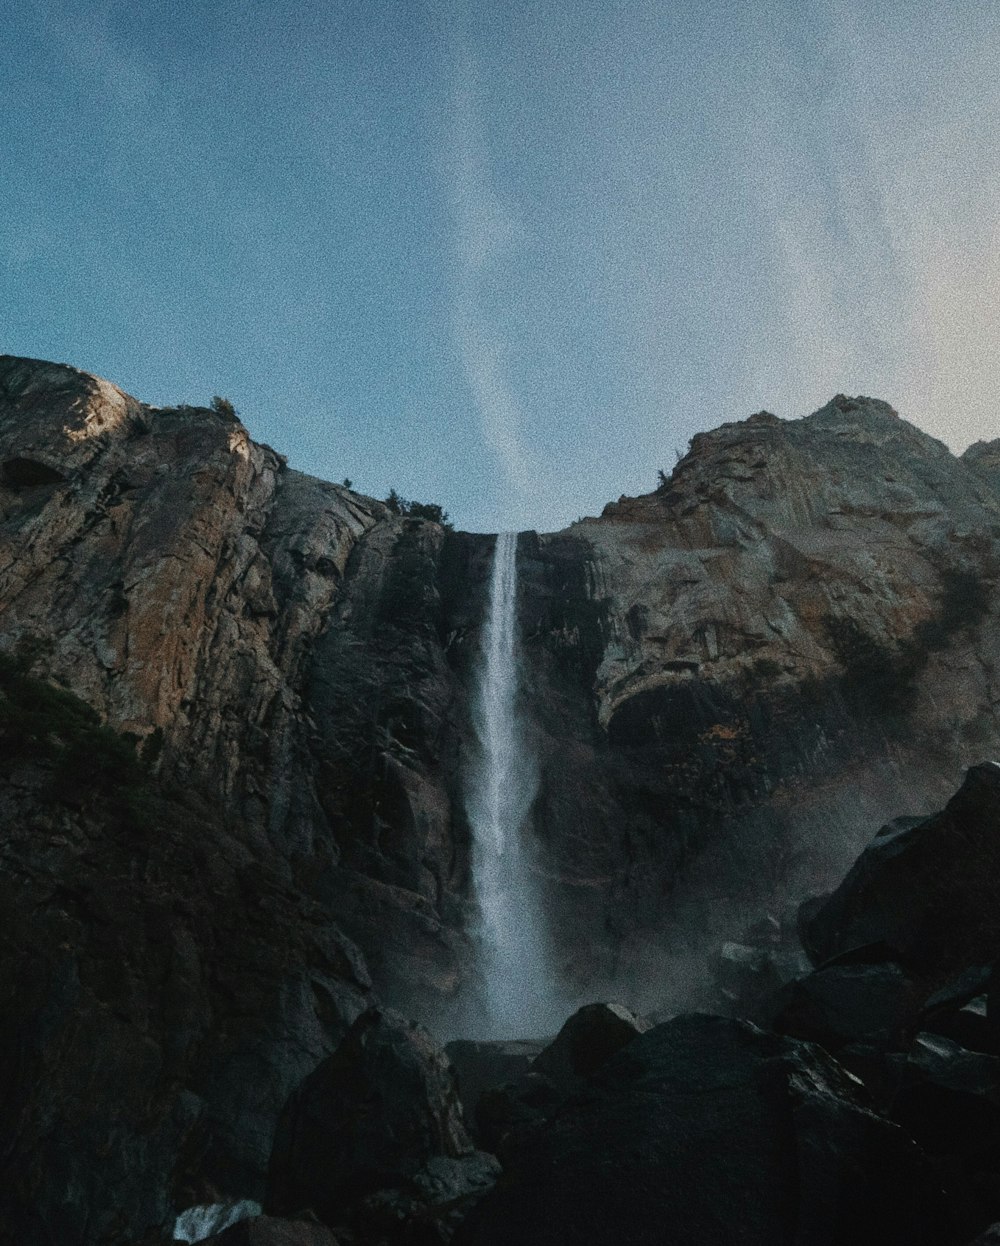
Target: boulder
{"x": 989, "y": 1237}
{"x": 849, "y": 1003}
{"x": 925, "y": 888}
{"x": 704, "y": 1130}
{"x": 749, "y": 971}
{"x": 970, "y": 1026}
{"x": 272, "y": 1231}
{"x": 481, "y": 1066}
{"x": 591, "y": 1036}
{"x": 427, "y": 1207}
{"x": 950, "y": 1100}
{"x": 376, "y": 1130}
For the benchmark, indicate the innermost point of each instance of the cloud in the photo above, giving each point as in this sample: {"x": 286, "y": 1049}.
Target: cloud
{"x": 487, "y": 237}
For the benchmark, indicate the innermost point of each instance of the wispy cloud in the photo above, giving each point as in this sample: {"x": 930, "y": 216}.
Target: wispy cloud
{"x": 487, "y": 236}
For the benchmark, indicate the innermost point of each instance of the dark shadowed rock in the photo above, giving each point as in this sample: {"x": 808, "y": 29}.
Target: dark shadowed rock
{"x": 161, "y": 992}
{"x": 926, "y": 889}
{"x": 950, "y": 1100}
{"x": 591, "y": 1035}
{"x": 482, "y": 1065}
{"x": 749, "y": 971}
{"x": 709, "y": 1130}
{"x": 963, "y": 988}
{"x": 965, "y": 1021}
{"x": 849, "y": 1003}
{"x": 426, "y": 1208}
{"x": 376, "y": 1132}
{"x": 989, "y": 1237}
{"x": 272, "y": 1231}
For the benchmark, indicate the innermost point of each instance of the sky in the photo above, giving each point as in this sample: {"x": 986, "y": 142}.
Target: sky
{"x": 507, "y": 258}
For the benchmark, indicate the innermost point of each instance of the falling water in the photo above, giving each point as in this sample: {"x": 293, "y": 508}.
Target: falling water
{"x": 517, "y": 982}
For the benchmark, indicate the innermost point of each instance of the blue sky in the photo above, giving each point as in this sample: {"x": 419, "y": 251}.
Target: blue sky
{"x": 508, "y": 258}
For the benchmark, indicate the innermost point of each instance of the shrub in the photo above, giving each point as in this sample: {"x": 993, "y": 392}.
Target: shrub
{"x": 222, "y": 406}
{"x": 431, "y": 511}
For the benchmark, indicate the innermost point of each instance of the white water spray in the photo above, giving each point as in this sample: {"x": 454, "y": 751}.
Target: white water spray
{"x": 519, "y": 998}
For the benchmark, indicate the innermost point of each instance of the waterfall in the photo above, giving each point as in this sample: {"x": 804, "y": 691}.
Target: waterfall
{"x": 518, "y": 995}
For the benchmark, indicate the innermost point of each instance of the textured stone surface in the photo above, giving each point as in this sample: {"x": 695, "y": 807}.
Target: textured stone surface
{"x": 709, "y": 1130}
{"x": 481, "y": 1066}
{"x": 731, "y": 681}
{"x": 925, "y": 889}
{"x": 793, "y": 639}
{"x": 272, "y": 1231}
{"x": 732, "y": 678}
{"x": 374, "y": 1139}
{"x": 161, "y": 992}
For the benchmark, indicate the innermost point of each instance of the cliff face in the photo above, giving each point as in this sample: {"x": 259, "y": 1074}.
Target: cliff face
{"x": 729, "y": 682}
{"x": 741, "y": 673}
{"x": 732, "y": 678}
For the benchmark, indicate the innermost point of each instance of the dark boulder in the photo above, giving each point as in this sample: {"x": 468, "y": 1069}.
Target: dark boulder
{"x": 481, "y": 1066}
{"x": 849, "y": 1003}
{"x": 591, "y": 1036}
{"x": 426, "y": 1208}
{"x": 710, "y": 1130}
{"x": 504, "y": 1113}
{"x": 376, "y": 1132}
{"x": 925, "y": 888}
{"x": 969, "y": 1025}
{"x": 950, "y": 1100}
{"x": 989, "y": 1237}
{"x": 272, "y": 1231}
{"x": 749, "y": 971}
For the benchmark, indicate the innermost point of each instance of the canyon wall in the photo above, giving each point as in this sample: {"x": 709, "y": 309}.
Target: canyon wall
{"x": 234, "y": 715}
{"x": 732, "y": 679}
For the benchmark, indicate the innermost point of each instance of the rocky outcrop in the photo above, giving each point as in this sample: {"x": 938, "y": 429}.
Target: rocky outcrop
{"x": 731, "y": 680}
{"x": 161, "y": 991}
{"x": 190, "y": 588}
{"x": 709, "y": 1130}
{"x": 924, "y": 889}
{"x": 731, "y": 677}
{"x": 374, "y": 1140}
{"x": 793, "y": 638}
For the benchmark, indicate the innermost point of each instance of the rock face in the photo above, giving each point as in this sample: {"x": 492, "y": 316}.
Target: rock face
{"x": 161, "y": 992}
{"x": 191, "y": 589}
{"x": 374, "y": 1138}
{"x": 789, "y": 641}
{"x": 370, "y": 1115}
{"x": 926, "y": 889}
{"x": 804, "y": 610}
{"x": 731, "y": 679}
{"x": 709, "y": 1130}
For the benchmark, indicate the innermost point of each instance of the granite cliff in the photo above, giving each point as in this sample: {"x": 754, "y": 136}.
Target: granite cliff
{"x": 733, "y": 679}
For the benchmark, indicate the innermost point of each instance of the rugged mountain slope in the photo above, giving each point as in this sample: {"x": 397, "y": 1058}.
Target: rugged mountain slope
{"x": 731, "y": 678}
{"x": 792, "y": 638}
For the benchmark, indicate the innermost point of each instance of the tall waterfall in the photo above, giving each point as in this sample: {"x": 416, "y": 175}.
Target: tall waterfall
{"x": 517, "y": 981}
